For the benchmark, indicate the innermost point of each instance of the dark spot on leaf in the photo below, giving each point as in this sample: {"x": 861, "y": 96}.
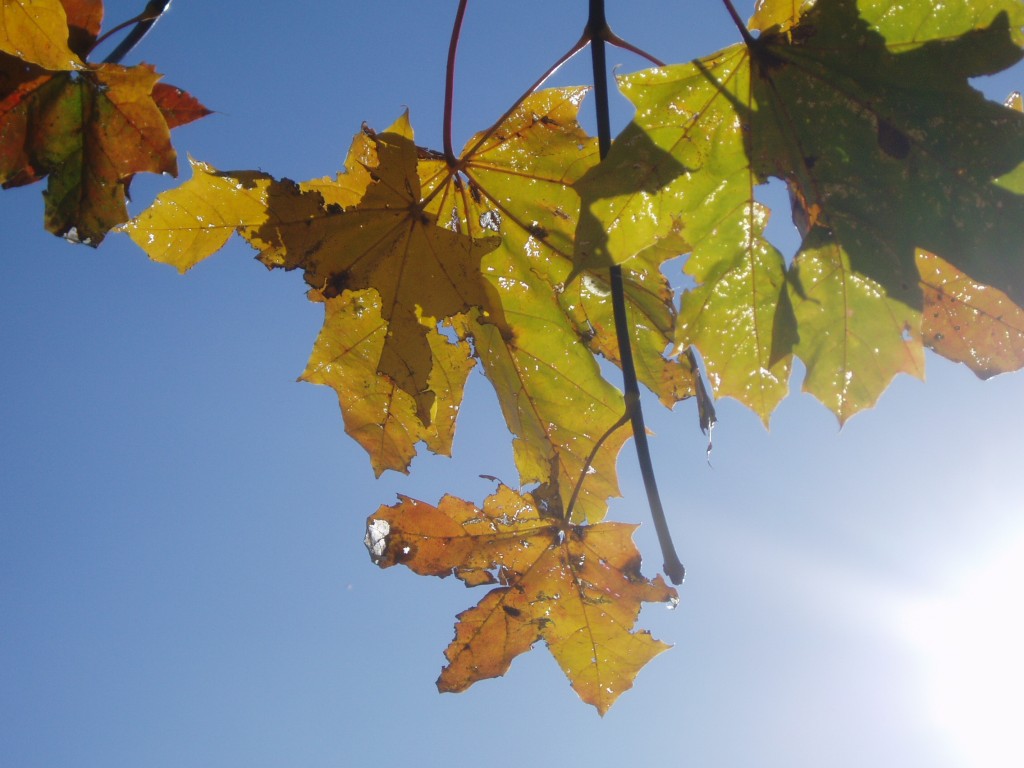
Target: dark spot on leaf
{"x": 803, "y": 32}
{"x": 810, "y": 161}
{"x": 336, "y": 283}
{"x": 405, "y": 552}
{"x": 537, "y": 231}
{"x": 894, "y": 142}
{"x": 939, "y": 337}
{"x": 515, "y": 613}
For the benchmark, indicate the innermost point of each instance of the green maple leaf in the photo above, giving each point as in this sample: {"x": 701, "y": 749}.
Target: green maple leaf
{"x": 867, "y": 113}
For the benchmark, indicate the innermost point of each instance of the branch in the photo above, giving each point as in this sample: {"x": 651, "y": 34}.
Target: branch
{"x": 143, "y": 22}
{"x": 597, "y": 29}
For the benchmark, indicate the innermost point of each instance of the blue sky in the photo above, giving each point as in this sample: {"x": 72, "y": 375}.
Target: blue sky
{"x": 182, "y": 575}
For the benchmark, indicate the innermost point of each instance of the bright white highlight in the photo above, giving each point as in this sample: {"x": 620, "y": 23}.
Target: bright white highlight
{"x": 970, "y": 645}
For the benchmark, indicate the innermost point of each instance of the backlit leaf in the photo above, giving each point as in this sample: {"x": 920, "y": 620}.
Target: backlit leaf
{"x": 378, "y": 414}
{"x": 387, "y": 275}
{"x": 968, "y": 322}
{"x": 909, "y": 158}
{"x": 90, "y": 130}
{"x": 577, "y": 587}
{"x": 908, "y": 161}
{"x": 685, "y": 151}
{"x": 193, "y": 221}
{"x": 37, "y": 33}
{"x": 386, "y": 242}
{"x": 780, "y": 14}
{"x": 515, "y": 179}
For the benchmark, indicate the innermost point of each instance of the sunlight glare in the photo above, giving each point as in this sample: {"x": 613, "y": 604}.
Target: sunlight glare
{"x": 969, "y": 645}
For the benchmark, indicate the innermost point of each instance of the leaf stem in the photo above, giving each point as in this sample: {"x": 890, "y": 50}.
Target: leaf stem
{"x": 449, "y": 85}
{"x": 585, "y": 39}
{"x": 597, "y": 28}
{"x": 576, "y": 48}
{"x": 738, "y": 21}
{"x": 143, "y": 22}
{"x": 624, "y": 418}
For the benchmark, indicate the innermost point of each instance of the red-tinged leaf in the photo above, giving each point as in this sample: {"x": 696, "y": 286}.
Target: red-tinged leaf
{"x": 91, "y": 133}
{"x": 89, "y": 130}
{"x": 85, "y": 18}
{"x": 177, "y": 106}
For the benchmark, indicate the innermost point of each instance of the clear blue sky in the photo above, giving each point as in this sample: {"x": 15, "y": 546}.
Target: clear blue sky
{"x": 182, "y": 575}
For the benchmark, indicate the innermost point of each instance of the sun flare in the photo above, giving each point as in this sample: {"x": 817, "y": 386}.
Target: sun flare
{"x": 969, "y": 644}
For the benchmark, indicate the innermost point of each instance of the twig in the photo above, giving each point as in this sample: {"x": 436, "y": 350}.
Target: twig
{"x": 449, "y": 85}
{"x": 738, "y": 21}
{"x": 143, "y": 22}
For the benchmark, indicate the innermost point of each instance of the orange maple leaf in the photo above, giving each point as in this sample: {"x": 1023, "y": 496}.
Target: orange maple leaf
{"x": 90, "y": 128}
{"x": 577, "y": 587}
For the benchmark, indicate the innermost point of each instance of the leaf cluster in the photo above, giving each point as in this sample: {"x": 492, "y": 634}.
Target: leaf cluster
{"x": 905, "y": 186}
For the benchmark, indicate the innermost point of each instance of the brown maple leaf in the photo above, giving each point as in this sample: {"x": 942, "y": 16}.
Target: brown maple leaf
{"x": 577, "y": 587}
{"x": 423, "y": 273}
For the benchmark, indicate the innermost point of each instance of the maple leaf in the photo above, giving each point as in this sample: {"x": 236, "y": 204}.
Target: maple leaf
{"x": 37, "y": 33}
{"x": 386, "y": 274}
{"x": 90, "y": 128}
{"x": 386, "y": 242}
{"x": 577, "y": 587}
{"x": 692, "y": 180}
{"x": 378, "y": 414}
{"x": 913, "y": 158}
{"x": 968, "y": 322}
{"x": 516, "y": 179}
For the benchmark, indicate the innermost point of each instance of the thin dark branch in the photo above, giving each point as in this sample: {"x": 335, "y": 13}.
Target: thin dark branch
{"x": 597, "y": 27}
{"x": 449, "y": 84}
{"x": 579, "y": 46}
{"x": 143, "y": 22}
